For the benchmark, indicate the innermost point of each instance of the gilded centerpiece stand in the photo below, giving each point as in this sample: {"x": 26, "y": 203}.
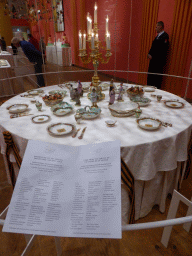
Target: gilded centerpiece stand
{"x": 94, "y": 55}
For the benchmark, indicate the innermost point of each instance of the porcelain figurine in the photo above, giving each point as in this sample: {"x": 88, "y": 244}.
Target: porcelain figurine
{"x": 120, "y": 96}
{"x": 112, "y": 95}
{"x": 80, "y": 88}
{"x": 111, "y": 86}
{"x": 38, "y": 105}
{"x": 78, "y": 117}
{"x": 72, "y": 92}
{"x": 138, "y": 112}
{"x": 77, "y": 97}
{"x": 94, "y": 97}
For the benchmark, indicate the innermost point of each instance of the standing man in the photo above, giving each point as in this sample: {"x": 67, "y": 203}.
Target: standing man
{"x": 158, "y": 55}
{"x": 33, "y": 56}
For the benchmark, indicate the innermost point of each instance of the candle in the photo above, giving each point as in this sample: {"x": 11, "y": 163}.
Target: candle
{"x": 95, "y": 13}
{"x": 80, "y": 40}
{"x": 107, "y": 19}
{"x": 90, "y": 26}
{"x": 84, "y": 40}
{"x": 108, "y": 43}
{"x": 92, "y": 41}
{"x": 88, "y": 23}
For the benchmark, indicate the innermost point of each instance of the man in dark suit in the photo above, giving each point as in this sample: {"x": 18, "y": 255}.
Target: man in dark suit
{"x": 33, "y": 55}
{"x": 158, "y": 55}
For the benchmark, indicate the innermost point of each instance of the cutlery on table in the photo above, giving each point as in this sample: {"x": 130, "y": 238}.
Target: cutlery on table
{"x": 81, "y": 136}
{"x": 75, "y": 134}
{"x": 19, "y": 115}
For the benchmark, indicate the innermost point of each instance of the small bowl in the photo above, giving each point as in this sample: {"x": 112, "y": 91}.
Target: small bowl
{"x": 52, "y": 102}
{"x": 110, "y": 123}
{"x": 138, "y": 92}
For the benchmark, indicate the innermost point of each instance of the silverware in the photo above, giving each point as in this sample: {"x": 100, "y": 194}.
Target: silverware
{"x": 75, "y": 134}
{"x": 81, "y": 136}
{"x": 19, "y": 115}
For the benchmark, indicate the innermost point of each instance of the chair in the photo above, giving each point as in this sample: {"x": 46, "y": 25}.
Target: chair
{"x": 128, "y": 180}
{"x": 11, "y": 147}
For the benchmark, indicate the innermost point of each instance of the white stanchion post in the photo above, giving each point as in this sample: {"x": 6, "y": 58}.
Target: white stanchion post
{"x": 177, "y": 197}
{"x": 58, "y": 246}
{"x": 188, "y": 81}
{"x": 187, "y": 226}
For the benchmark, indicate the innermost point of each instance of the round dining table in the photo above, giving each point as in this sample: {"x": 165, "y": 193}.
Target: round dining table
{"x": 153, "y": 156}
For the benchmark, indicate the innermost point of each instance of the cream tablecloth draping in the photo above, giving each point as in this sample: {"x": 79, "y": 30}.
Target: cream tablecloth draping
{"x": 152, "y": 156}
{"x": 61, "y": 57}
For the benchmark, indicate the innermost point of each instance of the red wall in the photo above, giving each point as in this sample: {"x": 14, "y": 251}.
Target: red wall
{"x": 119, "y": 12}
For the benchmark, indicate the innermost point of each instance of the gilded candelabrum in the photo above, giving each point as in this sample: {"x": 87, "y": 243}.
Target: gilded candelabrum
{"x": 94, "y": 55}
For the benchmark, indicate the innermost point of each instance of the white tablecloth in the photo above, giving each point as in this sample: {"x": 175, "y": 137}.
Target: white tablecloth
{"x": 59, "y": 55}
{"x": 7, "y": 56}
{"x": 152, "y": 156}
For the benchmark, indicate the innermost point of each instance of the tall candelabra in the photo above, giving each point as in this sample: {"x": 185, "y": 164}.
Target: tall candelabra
{"x": 94, "y": 55}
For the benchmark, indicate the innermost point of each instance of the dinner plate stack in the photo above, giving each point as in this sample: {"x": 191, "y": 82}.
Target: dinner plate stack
{"x": 123, "y": 109}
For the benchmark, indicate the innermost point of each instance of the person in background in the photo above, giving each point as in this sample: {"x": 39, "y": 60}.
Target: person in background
{"x": 158, "y": 55}
{"x": 3, "y": 44}
{"x": 33, "y": 41}
{"x": 42, "y": 47}
{"x": 15, "y": 51}
{"x": 33, "y": 56}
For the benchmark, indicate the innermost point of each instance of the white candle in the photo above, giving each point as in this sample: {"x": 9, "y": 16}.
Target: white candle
{"x": 90, "y": 26}
{"x": 97, "y": 37}
{"x": 95, "y": 13}
{"x": 92, "y": 41}
{"x": 87, "y": 23}
{"x": 107, "y": 24}
{"x": 108, "y": 43}
{"x": 84, "y": 40}
{"x": 80, "y": 40}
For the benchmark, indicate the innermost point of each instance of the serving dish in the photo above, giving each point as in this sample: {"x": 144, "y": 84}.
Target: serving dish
{"x": 62, "y": 92}
{"x": 17, "y": 108}
{"x": 134, "y": 91}
{"x": 60, "y": 129}
{"x": 149, "y": 88}
{"x": 148, "y": 123}
{"x": 89, "y": 112}
{"x": 143, "y": 102}
{"x": 40, "y": 119}
{"x": 174, "y": 104}
{"x": 35, "y": 91}
{"x": 123, "y": 107}
{"x": 115, "y": 114}
{"x": 61, "y": 109}
{"x": 51, "y": 100}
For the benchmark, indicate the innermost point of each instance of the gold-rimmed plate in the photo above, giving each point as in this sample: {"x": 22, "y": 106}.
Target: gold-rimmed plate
{"x": 35, "y": 91}
{"x": 40, "y": 119}
{"x": 60, "y": 129}
{"x": 17, "y": 108}
{"x": 149, "y": 88}
{"x": 174, "y": 104}
{"x": 148, "y": 123}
